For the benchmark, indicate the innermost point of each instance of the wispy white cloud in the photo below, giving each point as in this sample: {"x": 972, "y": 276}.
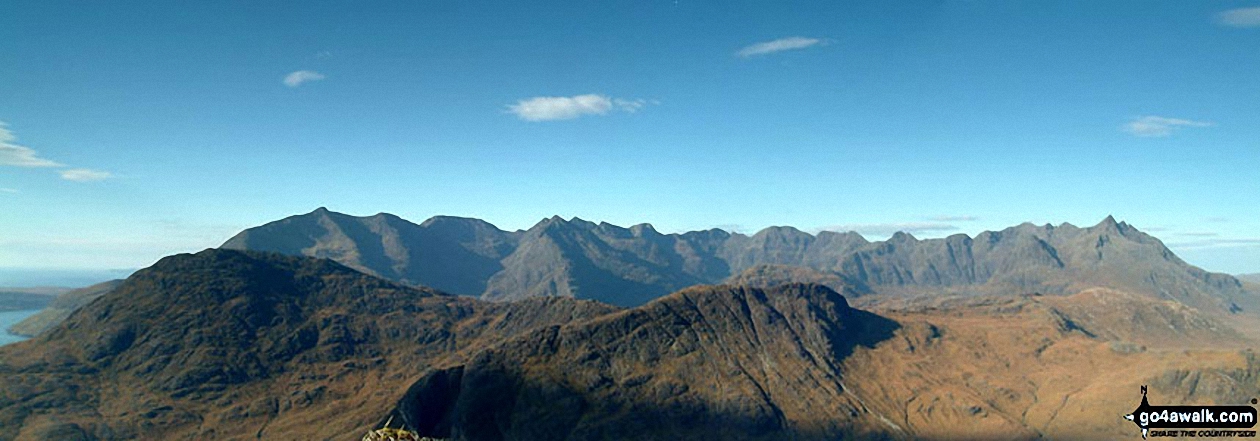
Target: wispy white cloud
{"x": 296, "y": 79}
{"x": 955, "y": 219}
{"x": 1215, "y": 243}
{"x": 731, "y": 228}
{"x": 19, "y": 156}
{"x": 552, "y": 108}
{"x": 12, "y": 154}
{"x": 1158, "y": 126}
{"x": 888, "y": 229}
{"x": 84, "y": 175}
{"x": 111, "y": 245}
{"x": 1198, "y": 234}
{"x": 1240, "y": 18}
{"x": 9, "y": 190}
{"x": 634, "y": 105}
{"x": 780, "y": 45}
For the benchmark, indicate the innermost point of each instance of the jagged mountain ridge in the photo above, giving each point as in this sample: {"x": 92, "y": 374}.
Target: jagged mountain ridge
{"x": 631, "y": 266}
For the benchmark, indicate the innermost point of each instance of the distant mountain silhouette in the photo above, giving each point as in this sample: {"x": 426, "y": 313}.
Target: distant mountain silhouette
{"x": 15, "y": 299}
{"x": 631, "y": 266}
{"x": 1253, "y": 278}
{"x": 456, "y": 255}
{"x": 61, "y": 307}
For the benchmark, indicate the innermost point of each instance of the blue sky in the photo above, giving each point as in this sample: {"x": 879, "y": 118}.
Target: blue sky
{"x": 138, "y": 129}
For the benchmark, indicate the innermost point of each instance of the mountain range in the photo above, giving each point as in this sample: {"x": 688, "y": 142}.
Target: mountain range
{"x": 227, "y": 344}
{"x": 632, "y": 266}
{"x": 321, "y": 326}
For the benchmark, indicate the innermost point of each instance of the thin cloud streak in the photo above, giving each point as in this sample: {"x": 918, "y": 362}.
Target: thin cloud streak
{"x": 296, "y": 79}
{"x": 1157, "y": 126}
{"x": 632, "y": 106}
{"x": 555, "y": 108}
{"x": 1194, "y": 234}
{"x": 1240, "y": 18}
{"x": 17, "y": 155}
{"x": 85, "y": 175}
{"x": 780, "y": 45}
{"x": 1215, "y": 243}
{"x": 888, "y": 229}
{"x": 955, "y": 219}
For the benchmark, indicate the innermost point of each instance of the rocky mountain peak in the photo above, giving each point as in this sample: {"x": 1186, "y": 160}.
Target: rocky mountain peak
{"x": 902, "y": 237}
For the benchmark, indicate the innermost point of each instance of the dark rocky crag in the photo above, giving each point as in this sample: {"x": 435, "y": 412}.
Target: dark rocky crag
{"x": 631, "y": 266}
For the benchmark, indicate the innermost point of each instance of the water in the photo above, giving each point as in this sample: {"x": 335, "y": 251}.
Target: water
{"x": 21, "y": 277}
{"x": 9, "y": 318}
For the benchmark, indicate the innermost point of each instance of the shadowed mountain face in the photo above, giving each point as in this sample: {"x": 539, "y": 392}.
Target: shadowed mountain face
{"x": 631, "y": 266}
{"x": 705, "y": 363}
{"x": 225, "y": 344}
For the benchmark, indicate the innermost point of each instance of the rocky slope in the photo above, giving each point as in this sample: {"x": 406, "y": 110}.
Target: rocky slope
{"x": 796, "y": 362}
{"x": 769, "y": 276}
{"x": 631, "y": 266}
{"x": 1047, "y": 367}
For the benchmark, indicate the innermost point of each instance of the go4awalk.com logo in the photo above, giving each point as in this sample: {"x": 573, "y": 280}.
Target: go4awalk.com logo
{"x": 1194, "y": 421}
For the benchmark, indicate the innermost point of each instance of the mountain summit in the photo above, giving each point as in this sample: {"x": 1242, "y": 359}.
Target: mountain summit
{"x": 631, "y": 266}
